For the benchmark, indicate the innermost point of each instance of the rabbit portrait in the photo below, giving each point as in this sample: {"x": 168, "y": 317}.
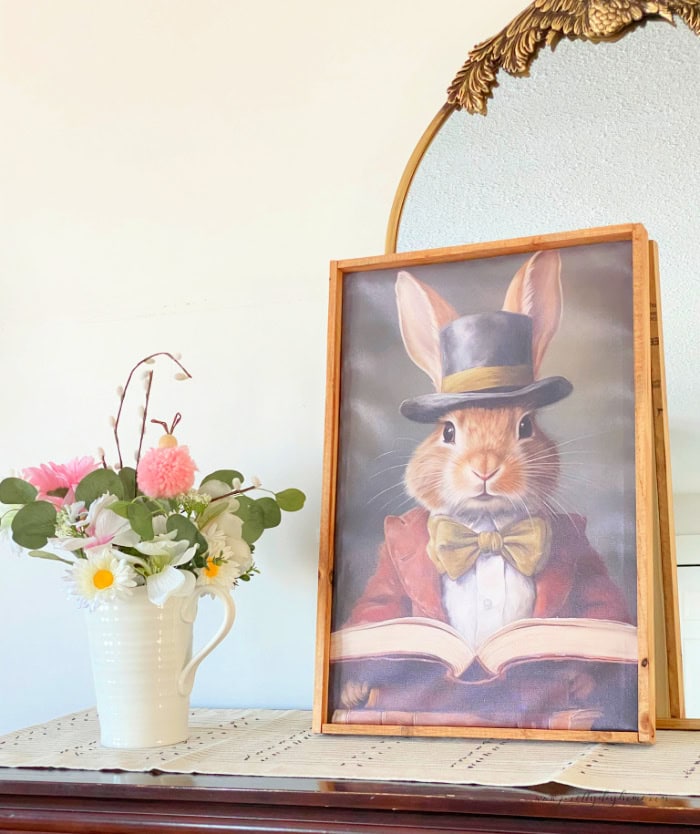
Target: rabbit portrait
{"x": 487, "y": 542}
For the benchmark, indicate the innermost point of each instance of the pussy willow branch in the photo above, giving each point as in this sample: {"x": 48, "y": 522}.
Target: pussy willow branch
{"x": 126, "y": 386}
{"x": 149, "y": 384}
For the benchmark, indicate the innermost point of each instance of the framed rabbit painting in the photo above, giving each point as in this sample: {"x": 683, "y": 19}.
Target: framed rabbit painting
{"x": 486, "y": 533}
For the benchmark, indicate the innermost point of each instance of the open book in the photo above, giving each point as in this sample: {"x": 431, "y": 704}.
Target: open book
{"x": 418, "y": 638}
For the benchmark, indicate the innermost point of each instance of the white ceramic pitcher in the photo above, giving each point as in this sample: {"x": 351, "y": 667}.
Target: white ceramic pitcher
{"x": 143, "y": 666}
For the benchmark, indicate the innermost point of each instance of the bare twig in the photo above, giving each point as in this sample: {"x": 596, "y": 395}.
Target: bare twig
{"x": 233, "y": 492}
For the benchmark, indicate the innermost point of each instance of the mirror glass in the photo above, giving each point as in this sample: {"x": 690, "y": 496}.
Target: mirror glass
{"x": 598, "y": 134}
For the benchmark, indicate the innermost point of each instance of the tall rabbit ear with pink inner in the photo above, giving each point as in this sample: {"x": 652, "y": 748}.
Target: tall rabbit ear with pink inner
{"x": 422, "y": 315}
{"x": 535, "y": 291}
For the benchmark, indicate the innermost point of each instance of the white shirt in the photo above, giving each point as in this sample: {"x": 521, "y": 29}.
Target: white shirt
{"x": 487, "y": 597}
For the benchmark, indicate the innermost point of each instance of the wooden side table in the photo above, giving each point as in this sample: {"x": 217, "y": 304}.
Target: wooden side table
{"x": 79, "y": 802}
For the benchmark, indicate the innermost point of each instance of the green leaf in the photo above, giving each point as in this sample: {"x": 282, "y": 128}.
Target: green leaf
{"x": 16, "y": 491}
{"x": 290, "y": 500}
{"x": 226, "y": 475}
{"x": 59, "y": 492}
{"x": 252, "y": 530}
{"x": 249, "y": 509}
{"x": 187, "y": 532}
{"x": 185, "y": 529}
{"x": 127, "y": 475}
{"x": 98, "y": 483}
{"x": 203, "y": 545}
{"x": 44, "y": 554}
{"x": 270, "y": 510}
{"x": 252, "y": 515}
{"x": 140, "y": 520}
{"x": 121, "y": 508}
{"x": 34, "y": 525}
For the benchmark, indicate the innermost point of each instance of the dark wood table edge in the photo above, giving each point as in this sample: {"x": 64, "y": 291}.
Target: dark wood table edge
{"x": 24, "y": 792}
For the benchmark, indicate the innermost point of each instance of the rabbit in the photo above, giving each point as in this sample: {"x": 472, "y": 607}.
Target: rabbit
{"x": 486, "y": 467}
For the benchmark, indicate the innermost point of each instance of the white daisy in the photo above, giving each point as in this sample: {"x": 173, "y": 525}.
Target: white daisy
{"x": 218, "y": 572}
{"x": 102, "y": 577}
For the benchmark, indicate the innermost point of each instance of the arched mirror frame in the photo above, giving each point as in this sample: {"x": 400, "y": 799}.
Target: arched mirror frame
{"x": 513, "y": 49}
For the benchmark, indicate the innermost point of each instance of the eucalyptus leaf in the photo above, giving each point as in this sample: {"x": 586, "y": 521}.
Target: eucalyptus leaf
{"x": 252, "y": 530}
{"x": 249, "y": 510}
{"x": 121, "y": 508}
{"x": 59, "y": 492}
{"x": 34, "y": 525}
{"x": 44, "y": 554}
{"x": 140, "y": 520}
{"x": 98, "y": 483}
{"x": 127, "y": 475}
{"x": 16, "y": 491}
{"x": 203, "y": 545}
{"x": 185, "y": 529}
{"x": 290, "y": 500}
{"x": 270, "y": 510}
{"x": 228, "y": 476}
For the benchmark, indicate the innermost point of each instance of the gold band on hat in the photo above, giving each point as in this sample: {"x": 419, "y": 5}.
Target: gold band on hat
{"x": 479, "y": 379}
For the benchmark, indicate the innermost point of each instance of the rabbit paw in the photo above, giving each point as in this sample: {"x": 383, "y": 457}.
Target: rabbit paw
{"x": 354, "y": 694}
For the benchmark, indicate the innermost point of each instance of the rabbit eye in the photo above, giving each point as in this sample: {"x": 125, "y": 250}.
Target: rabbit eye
{"x": 448, "y": 432}
{"x": 525, "y": 428}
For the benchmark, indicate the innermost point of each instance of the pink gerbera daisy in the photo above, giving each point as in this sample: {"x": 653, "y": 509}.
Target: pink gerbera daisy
{"x": 53, "y": 477}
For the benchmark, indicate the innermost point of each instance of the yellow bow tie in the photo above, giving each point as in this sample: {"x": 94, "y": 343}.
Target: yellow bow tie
{"x": 454, "y": 548}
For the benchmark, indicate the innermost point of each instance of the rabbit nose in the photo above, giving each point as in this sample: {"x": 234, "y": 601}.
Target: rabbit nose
{"x": 485, "y": 478}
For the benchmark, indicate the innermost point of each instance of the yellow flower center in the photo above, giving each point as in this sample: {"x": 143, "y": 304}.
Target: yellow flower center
{"x": 211, "y": 568}
{"x": 103, "y": 579}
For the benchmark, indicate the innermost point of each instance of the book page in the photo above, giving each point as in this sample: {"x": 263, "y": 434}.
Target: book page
{"x": 603, "y": 640}
{"x": 404, "y": 636}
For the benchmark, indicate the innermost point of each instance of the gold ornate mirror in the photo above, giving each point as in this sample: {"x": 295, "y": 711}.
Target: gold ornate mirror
{"x": 604, "y": 131}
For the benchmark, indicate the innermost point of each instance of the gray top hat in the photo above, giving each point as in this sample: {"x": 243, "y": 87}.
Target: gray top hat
{"x": 486, "y": 362}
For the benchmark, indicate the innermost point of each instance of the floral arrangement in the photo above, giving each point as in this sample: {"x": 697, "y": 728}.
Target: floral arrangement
{"x": 121, "y": 527}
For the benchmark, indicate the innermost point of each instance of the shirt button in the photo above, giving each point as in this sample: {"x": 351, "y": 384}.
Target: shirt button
{"x": 488, "y": 604}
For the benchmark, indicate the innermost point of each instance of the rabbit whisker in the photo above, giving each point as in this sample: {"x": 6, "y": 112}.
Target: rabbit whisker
{"x": 524, "y": 505}
{"x": 576, "y": 479}
{"x": 399, "y": 508}
{"x": 387, "y": 469}
{"x": 400, "y": 453}
{"x": 397, "y": 485}
{"x": 552, "y": 503}
{"x": 555, "y": 455}
{"x": 569, "y": 441}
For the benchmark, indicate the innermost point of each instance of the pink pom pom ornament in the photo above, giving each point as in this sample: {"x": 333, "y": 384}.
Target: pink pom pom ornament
{"x": 167, "y": 470}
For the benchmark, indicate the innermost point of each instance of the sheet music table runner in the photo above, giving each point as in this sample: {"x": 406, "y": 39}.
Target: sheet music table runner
{"x": 280, "y": 743}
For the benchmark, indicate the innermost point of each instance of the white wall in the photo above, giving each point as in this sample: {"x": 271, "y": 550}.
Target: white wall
{"x": 176, "y": 176}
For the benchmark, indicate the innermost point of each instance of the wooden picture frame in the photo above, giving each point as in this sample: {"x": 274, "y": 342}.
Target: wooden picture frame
{"x": 569, "y": 631}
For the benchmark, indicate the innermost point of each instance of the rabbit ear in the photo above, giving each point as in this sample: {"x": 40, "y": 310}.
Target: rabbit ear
{"x": 535, "y": 291}
{"x": 422, "y": 314}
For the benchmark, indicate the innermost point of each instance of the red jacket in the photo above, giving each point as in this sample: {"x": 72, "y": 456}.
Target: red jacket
{"x": 573, "y": 583}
